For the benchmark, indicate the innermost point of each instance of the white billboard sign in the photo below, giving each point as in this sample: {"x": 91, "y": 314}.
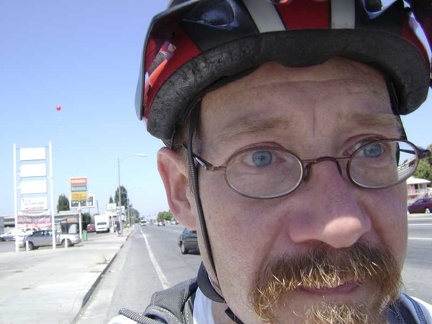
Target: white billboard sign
{"x": 35, "y": 203}
{"x": 111, "y": 207}
{"x": 33, "y": 170}
{"x": 33, "y": 187}
{"x": 33, "y": 154}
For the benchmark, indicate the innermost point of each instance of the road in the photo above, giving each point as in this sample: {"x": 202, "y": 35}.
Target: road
{"x": 150, "y": 260}
{"x": 418, "y": 264}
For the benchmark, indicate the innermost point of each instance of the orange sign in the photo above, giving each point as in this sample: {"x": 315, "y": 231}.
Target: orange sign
{"x": 78, "y": 181}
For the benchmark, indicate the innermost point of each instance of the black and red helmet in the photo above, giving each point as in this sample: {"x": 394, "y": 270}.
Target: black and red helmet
{"x": 197, "y": 43}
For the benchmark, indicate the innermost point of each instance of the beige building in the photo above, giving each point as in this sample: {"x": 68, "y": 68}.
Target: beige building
{"x": 417, "y": 188}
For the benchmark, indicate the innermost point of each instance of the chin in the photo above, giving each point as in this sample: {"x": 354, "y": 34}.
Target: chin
{"x": 346, "y": 304}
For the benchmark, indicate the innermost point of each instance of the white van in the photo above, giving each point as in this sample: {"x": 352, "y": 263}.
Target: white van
{"x": 102, "y": 223}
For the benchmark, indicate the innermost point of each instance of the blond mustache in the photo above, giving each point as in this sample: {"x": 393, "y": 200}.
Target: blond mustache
{"x": 324, "y": 268}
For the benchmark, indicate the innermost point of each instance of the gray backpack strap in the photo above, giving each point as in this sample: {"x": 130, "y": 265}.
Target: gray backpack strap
{"x": 175, "y": 305}
{"x": 134, "y": 316}
{"x": 172, "y": 305}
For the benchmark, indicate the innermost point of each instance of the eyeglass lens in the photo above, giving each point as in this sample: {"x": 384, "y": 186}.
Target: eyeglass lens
{"x": 268, "y": 172}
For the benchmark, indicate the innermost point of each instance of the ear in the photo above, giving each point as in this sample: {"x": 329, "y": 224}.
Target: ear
{"x": 173, "y": 171}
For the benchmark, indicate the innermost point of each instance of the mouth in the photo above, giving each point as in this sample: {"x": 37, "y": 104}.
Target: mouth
{"x": 342, "y": 289}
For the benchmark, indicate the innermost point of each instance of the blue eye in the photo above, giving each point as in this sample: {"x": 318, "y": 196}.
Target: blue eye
{"x": 372, "y": 151}
{"x": 262, "y": 158}
{"x": 369, "y": 149}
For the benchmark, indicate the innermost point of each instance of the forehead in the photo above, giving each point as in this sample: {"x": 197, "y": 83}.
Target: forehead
{"x": 334, "y": 69}
{"x": 311, "y": 97}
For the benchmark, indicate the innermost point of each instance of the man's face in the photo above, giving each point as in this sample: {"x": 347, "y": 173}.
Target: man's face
{"x": 317, "y": 251}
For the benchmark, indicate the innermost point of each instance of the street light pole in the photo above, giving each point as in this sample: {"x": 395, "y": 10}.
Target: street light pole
{"x": 119, "y": 199}
{"x": 119, "y": 188}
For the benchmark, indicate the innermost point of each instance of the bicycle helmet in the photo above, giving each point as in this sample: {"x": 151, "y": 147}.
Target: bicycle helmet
{"x": 195, "y": 43}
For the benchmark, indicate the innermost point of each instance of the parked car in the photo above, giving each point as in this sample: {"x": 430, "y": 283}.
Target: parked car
{"x": 69, "y": 239}
{"x": 11, "y": 234}
{"x": 45, "y": 238}
{"x": 188, "y": 241}
{"x": 91, "y": 228}
{"x": 161, "y": 223}
{"x": 423, "y": 205}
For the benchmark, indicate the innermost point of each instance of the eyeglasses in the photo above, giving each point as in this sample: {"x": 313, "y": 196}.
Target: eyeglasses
{"x": 266, "y": 172}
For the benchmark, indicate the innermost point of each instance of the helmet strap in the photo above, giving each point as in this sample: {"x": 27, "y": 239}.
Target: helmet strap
{"x": 395, "y": 105}
{"x": 204, "y": 282}
{"x": 203, "y": 279}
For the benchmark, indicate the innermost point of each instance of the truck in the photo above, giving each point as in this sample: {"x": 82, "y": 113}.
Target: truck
{"x": 102, "y": 223}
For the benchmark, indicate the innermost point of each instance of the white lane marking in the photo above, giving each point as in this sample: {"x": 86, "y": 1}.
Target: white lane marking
{"x": 165, "y": 283}
{"x": 420, "y": 238}
{"x": 427, "y": 224}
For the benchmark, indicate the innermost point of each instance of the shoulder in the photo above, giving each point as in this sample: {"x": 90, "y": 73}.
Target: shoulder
{"x": 172, "y": 305}
{"x": 418, "y": 308}
{"x": 180, "y": 293}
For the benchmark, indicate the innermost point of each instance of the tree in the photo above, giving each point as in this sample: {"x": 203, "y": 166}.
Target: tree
{"x": 63, "y": 203}
{"x": 124, "y": 197}
{"x": 133, "y": 214}
{"x": 86, "y": 219}
{"x": 110, "y": 200}
{"x": 165, "y": 215}
{"x": 424, "y": 169}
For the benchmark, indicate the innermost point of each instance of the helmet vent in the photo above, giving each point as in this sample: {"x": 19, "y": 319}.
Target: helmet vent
{"x": 217, "y": 14}
{"x": 373, "y": 5}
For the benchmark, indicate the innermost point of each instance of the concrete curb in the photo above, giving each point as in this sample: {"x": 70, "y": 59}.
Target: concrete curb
{"x": 99, "y": 278}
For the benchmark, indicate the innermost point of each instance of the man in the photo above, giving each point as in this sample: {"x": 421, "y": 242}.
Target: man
{"x": 286, "y": 152}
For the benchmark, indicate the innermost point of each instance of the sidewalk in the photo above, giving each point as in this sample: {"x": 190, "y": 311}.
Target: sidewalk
{"x": 51, "y": 286}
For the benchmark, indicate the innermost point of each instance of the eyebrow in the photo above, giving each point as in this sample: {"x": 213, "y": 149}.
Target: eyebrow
{"x": 376, "y": 120}
{"x": 253, "y": 126}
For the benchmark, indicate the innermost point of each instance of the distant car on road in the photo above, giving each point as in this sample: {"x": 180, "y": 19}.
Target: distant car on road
{"x": 423, "y": 205}
{"x": 188, "y": 241}
{"x": 45, "y": 238}
{"x": 91, "y": 228}
{"x": 161, "y": 223}
{"x": 143, "y": 222}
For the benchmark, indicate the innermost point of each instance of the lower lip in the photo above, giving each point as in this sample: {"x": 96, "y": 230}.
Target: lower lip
{"x": 340, "y": 290}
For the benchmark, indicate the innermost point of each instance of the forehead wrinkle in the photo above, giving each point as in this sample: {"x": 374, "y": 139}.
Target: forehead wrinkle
{"x": 246, "y": 127}
{"x": 357, "y": 119}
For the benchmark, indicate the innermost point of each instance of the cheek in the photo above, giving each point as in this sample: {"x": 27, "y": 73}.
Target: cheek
{"x": 388, "y": 212}
{"x": 242, "y": 231}
{"x": 236, "y": 223}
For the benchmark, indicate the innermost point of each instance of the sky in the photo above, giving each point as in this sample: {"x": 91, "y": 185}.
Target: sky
{"x": 84, "y": 56}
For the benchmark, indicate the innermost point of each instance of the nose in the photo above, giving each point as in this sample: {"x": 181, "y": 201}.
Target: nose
{"x": 332, "y": 211}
